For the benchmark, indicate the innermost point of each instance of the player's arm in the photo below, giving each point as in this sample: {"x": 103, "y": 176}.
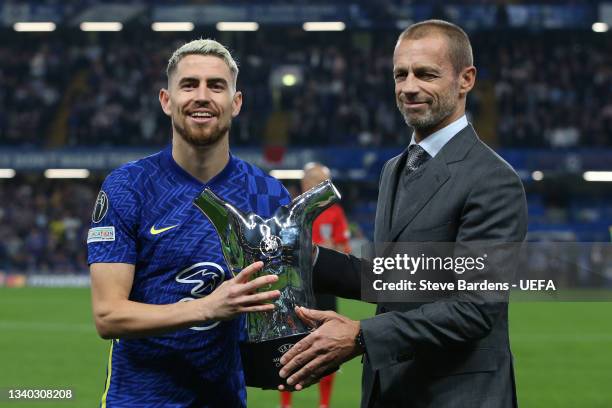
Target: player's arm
{"x": 116, "y": 316}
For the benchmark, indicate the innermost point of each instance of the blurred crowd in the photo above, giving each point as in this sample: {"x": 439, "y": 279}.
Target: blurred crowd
{"x": 71, "y": 89}
{"x": 547, "y": 89}
{"x": 553, "y": 93}
{"x": 44, "y": 225}
{"x": 32, "y": 80}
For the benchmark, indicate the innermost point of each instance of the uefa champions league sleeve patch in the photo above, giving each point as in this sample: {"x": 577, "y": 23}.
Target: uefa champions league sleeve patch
{"x": 101, "y": 207}
{"x": 101, "y": 234}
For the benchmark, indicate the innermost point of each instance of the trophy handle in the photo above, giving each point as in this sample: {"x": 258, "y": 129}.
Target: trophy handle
{"x": 214, "y": 209}
{"x": 313, "y": 202}
{"x": 227, "y": 221}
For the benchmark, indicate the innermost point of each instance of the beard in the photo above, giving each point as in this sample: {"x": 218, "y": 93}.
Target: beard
{"x": 434, "y": 114}
{"x": 200, "y": 136}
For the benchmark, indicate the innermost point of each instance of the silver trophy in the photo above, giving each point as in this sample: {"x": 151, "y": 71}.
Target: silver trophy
{"x": 284, "y": 243}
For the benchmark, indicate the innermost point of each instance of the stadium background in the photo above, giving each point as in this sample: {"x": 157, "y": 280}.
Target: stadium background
{"x": 80, "y": 99}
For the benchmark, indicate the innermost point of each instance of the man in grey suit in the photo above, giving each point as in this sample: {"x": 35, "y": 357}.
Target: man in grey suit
{"x": 447, "y": 186}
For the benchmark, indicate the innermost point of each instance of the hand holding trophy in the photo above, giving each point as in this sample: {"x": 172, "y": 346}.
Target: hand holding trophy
{"x": 284, "y": 244}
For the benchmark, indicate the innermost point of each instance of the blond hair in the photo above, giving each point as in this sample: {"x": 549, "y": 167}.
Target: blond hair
{"x": 203, "y": 47}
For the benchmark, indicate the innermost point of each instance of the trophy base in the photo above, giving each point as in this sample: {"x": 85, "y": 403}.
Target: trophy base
{"x": 261, "y": 361}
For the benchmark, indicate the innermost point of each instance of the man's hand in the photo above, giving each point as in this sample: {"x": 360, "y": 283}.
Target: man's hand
{"x": 238, "y": 295}
{"x": 323, "y": 350}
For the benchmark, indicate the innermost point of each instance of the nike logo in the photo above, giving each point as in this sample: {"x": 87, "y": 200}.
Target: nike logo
{"x": 155, "y": 231}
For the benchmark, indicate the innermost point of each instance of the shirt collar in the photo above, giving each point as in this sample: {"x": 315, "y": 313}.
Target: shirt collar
{"x": 433, "y": 143}
{"x": 219, "y": 178}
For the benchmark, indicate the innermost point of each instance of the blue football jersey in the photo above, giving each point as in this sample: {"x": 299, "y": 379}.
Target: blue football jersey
{"x": 145, "y": 216}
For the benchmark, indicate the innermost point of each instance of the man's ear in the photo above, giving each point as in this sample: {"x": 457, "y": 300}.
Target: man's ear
{"x": 467, "y": 79}
{"x": 236, "y": 103}
{"x": 164, "y": 101}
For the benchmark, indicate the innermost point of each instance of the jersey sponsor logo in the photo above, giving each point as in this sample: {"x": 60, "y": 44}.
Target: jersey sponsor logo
{"x": 206, "y": 276}
{"x": 101, "y": 207}
{"x": 270, "y": 246}
{"x": 100, "y": 234}
{"x": 155, "y": 231}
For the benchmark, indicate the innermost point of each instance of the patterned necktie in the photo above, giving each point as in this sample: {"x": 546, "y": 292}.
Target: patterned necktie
{"x": 416, "y": 157}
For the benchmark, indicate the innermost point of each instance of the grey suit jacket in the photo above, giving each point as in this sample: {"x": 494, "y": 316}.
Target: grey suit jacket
{"x": 438, "y": 354}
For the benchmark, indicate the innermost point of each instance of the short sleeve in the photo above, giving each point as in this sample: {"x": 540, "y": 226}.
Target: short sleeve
{"x": 284, "y": 196}
{"x": 114, "y": 221}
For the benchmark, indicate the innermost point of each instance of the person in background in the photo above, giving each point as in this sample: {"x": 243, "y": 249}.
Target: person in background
{"x": 329, "y": 230}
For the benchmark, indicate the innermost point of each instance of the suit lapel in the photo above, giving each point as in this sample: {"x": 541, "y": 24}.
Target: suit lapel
{"x": 426, "y": 184}
{"x": 458, "y": 147}
{"x": 387, "y": 194}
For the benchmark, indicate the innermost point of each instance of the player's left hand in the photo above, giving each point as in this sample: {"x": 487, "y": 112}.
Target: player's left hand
{"x": 321, "y": 351}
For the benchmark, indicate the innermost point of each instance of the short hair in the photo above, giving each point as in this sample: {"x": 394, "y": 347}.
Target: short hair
{"x": 315, "y": 173}
{"x": 459, "y": 47}
{"x": 318, "y": 166}
{"x": 203, "y": 47}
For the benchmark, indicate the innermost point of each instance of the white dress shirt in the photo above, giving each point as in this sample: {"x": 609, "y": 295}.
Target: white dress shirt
{"x": 433, "y": 143}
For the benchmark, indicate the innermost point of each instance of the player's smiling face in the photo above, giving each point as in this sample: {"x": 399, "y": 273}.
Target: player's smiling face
{"x": 201, "y": 99}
